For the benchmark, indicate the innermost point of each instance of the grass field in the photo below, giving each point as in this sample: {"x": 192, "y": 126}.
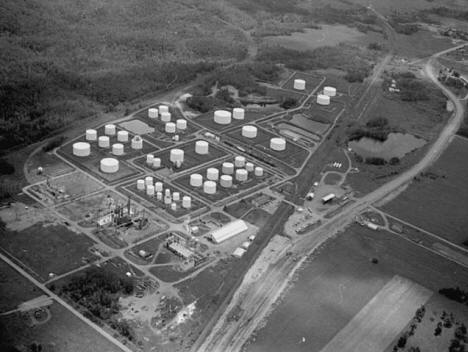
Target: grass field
{"x": 312, "y": 81}
{"x": 332, "y": 178}
{"x": 340, "y": 280}
{"x": 48, "y": 248}
{"x": 323, "y": 114}
{"x": 171, "y": 273}
{"x": 207, "y": 120}
{"x": 52, "y": 165}
{"x": 437, "y": 200}
{"x": 76, "y": 184}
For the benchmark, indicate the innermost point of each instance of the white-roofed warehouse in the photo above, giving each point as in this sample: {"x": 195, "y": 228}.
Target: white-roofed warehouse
{"x": 229, "y": 230}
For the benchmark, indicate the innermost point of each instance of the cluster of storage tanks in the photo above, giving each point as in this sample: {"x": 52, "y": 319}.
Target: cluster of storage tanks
{"x": 323, "y": 98}
{"x": 239, "y": 171}
{"x": 165, "y": 195}
{"x": 162, "y": 113}
{"x": 276, "y": 143}
{"x": 177, "y": 156}
{"x": 107, "y": 165}
{"x": 224, "y": 117}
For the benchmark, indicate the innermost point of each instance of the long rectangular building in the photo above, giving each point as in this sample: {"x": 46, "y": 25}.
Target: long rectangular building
{"x": 232, "y": 229}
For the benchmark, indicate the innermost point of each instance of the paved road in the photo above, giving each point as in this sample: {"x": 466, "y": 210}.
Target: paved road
{"x": 258, "y": 297}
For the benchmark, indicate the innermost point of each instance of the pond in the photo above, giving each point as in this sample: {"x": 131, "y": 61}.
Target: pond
{"x": 396, "y": 145}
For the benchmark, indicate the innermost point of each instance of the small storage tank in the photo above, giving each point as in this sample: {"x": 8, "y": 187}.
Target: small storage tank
{"x": 225, "y": 181}
{"x": 167, "y": 200}
{"x": 149, "y": 159}
{"x": 122, "y": 136}
{"x": 104, "y": 142}
{"x": 176, "y": 155}
{"x": 140, "y": 185}
{"x": 202, "y": 147}
{"x": 196, "y": 180}
{"x": 117, "y": 149}
{"x": 167, "y": 192}
{"x": 156, "y": 163}
{"x": 181, "y": 124}
{"x": 278, "y": 144}
{"x": 110, "y": 130}
{"x": 148, "y": 180}
{"x": 242, "y": 175}
{"x": 239, "y": 161}
{"x": 159, "y": 195}
{"x": 323, "y": 99}
{"x": 238, "y": 113}
{"x": 222, "y": 117}
{"x": 228, "y": 168}
{"x": 249, "y": 131}
{"x": 209, "y": 187}
{"x": 299, "y": 84}
{"x": 163, "y": 108}
{"x": 249, "y": 167}
{"x": 81, "y": 149}
{"x": 165, "y": 116}
{"x": 150, "y": 190}
{"x": 176, "y": 196}
{"x": 137, "y": 142}
{"x": 173, "y": 206}
{"x": 158, "y": 186}
{"x": 109, "y": 165}
{"x": 91, "y": 135}
{"x": 212, "y": 174}
{"x": 330, "y": 91}
{"x": 153, "y": 113}
{"x": 170, "y": 127}
{"x": 258, "y": 171}
{"x": 186, "y": 202}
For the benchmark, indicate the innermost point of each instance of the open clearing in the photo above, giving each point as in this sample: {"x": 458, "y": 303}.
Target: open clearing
{"x": 437, "y": 200}
{"x": 386, "y": 314}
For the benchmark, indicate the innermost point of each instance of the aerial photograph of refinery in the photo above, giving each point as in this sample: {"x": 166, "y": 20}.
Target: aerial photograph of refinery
{"x": 233, "y": 176}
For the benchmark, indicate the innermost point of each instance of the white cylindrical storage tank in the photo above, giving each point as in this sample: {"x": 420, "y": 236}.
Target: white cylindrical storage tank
{"x": 167, "y": 200}
{"x": 299, "y": 84}
{"x": 176, "y": 196}
{"x": 167, "y": 192}
{"x": 249, "y": 131}
{"x": 137, "y": 142}
{"x": 153, "y": 113}
{"x": 222, "y": 117}
{"x": 109, "y": 165}
{"x": 104, "y": 142}
{"x": 278, "y": 144}
{"x": 202, "y": 147}
{"x": 173, "y": 206}
{"x": 176, "y": 155}
{"x": 148, "y": 181}
{"x": 209, "y": 187}
{"x": 140, "y": 185}
{"x": 227, "y": 168}
{"x": 81, "y": 149}
{"x": 150, "y": 190}
{"x": 149, "y": 159}
{"x": 181, "y": 124}
{"x": 165, "y": 116}
{"x": 170, "y": 127}
{"x": 330, "y": 91}
{"x": 242, "y": 175}
{"x": 156, "y": 163}
{"x": 110, "y": 130}
{"x": 186, "y": 202}
{"x": 117, "y": 149}
{"x": 196, "y": 180}
{"x": 225, "y": 181}
{"x": 238, "y": 113}
{"x": 158, "y": 186}
{"x": 212, "y": 174}
{"x": 323, "y": 99}
{"x": 239, "y": 161}
{"x": 91, "y": 135}
{"x": 163, "y": 108}
{"x": 122, "y": 136}
{"x": 159, "y": 195}
{"x": 249, "y": 167}
{"x": 258, "y": 171}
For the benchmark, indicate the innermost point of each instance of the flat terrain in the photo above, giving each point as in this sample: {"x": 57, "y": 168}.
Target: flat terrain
{"x": 437, "y": 200}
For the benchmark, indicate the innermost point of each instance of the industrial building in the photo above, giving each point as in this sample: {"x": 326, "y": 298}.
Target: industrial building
{"x": 228, "y": 231}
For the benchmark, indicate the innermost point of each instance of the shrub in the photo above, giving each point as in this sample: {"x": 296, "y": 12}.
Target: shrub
{"x": 375, "y": 161}
{"x": 54, "y": 143}
{"x": 6, "y": 168}
{"x": 288, "y": 103}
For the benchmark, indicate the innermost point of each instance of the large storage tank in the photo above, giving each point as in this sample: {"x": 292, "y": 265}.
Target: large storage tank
{"x": 163, "y": 108}
{"x": 110, "y": 130}
{"x": 156, "y": 163}
{"x": 176, "y": 155}
{"x": 258, "y": 171}
{"x": 238, "y": 113}
{"x": 228, "y": 168}
{"x": 239, "y": 161}
{"x": 153, "y": 113}
{"x": 209, "y": 187}
{"x": 165, "y": 116}
{"x": 181, "y": 124}
{"x": 299, "y": 84}
{"x": 330, "y": 91}
{"x": 226, "y": 181}
{"x": 212, "y": 174}
{"x": 104, "y": 142}
{"x": 196, "y": 180}
{"x": 176, "y": 196}
{"x": 249, "y": 166}
{"x": 249, "y": 131}
{"x": 278, "y": 144}
{"x": 323, "y": 99}
{"x": 137, "y": 142}
{"x": 242, "y": 175}
{"x": 148, "y": 180}
{"x": 122, "y": 136}
{"x": 150, "y": 190}
{"x": 159, "y": 195}
{"x": 91, "y": 135}
{"x": 117, "y": 149}
{"x": 109, "y": 165}
{"x": 170, "y": 127}
{"x": 149, "y": 159}
{"x": 201, "y": 147}
{"x": 186, "y": 202}
{"x": 222, "y": 117}
{"x": 140, "y": 185}
{"x": 81, "y": 149}
{"x": 158, "y": 186}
